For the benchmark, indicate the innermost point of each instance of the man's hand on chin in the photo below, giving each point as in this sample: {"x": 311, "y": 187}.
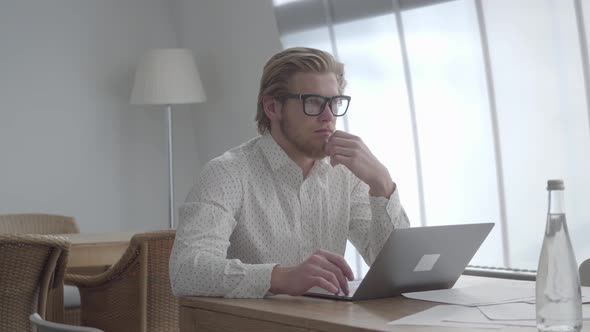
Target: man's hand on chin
{"x": 350, "y": 151}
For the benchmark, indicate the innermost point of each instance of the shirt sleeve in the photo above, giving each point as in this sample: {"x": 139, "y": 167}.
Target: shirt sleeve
{"x": 198, "y": 263}
{"x": 372, "y": 219}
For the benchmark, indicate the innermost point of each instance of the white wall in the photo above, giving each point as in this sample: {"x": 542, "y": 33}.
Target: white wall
{"x": 69, "y": 141}
{"x": 71, "y": 144}
{"x": 232, "y": 40}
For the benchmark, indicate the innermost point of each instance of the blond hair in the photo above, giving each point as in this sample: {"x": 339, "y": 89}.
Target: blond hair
{"x": 281, "y": 67}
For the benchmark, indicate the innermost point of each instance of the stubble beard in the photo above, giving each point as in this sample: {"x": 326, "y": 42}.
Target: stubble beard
{"x": 305, "y": 146}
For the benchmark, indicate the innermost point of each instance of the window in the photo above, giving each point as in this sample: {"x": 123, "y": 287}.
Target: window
{"x": 472, "y": 105}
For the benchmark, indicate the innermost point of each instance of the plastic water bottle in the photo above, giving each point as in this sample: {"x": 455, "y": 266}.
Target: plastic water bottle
{"x": 558, "y": 297}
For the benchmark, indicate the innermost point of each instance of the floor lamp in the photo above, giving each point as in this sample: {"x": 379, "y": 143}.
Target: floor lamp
{"x": 167, "y": 77}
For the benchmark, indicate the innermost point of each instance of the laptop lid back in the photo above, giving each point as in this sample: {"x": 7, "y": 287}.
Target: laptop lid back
{"x": 422, "y": 258}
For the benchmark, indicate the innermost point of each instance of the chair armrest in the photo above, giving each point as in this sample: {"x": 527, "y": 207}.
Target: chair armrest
{"x": 110, "y": 300}
{"x": 116, "y": 271}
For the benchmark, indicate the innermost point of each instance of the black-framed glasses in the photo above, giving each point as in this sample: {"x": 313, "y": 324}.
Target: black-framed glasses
{"x": 314, "y": 105}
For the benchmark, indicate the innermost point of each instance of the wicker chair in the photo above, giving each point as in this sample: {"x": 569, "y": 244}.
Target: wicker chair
{"x": 38, "y": 223}
{"x": 46, "y": 326}
{"x": 134, "y": 294}
{"x": 29, "y": 266}
{"x": 585, "y": 273}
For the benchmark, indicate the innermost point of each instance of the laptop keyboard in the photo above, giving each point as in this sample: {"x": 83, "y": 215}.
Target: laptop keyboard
{"x": 352, "y": 286}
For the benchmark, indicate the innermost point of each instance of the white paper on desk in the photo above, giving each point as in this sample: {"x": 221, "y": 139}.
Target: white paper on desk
{"x": 519, "y": 311}
{"x": 443, "y": 315}
{"x": 486, "y": 322}
{"x": 476, "y": 295}
{"x": 509, "y": 311}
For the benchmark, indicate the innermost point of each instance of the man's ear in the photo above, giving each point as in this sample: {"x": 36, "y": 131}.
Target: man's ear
{"x": 271, "y": 107}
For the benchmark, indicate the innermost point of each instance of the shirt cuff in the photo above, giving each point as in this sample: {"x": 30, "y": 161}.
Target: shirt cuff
{"x": 383, "y": 208}
{"x": 255, "y": 283}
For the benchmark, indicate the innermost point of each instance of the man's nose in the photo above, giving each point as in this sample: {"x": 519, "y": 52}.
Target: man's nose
{"x": 327, "y": 115}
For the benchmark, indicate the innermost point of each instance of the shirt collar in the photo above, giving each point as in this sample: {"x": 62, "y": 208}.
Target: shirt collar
{"x": 277, "y": 157}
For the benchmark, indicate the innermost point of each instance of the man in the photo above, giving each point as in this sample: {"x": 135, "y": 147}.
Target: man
{"x": 274, "y": 214}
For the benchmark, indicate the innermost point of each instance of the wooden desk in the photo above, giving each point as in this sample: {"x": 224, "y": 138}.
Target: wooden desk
{"x": 285, "y": 313}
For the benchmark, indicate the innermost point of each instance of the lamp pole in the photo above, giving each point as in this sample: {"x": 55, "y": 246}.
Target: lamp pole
{"x": 170, "y": 167}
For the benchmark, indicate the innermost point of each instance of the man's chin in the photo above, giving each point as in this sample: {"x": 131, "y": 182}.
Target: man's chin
{"x": 317, "y": 153}
{"x": 319, "y": 156}
{"x": 312, "y": 149}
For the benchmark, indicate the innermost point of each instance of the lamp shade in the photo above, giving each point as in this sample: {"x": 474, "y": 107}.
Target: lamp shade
{"x": 166, "y": 77}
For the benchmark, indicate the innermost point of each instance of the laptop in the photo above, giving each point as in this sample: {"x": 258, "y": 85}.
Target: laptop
{"x": 416, "y": 259}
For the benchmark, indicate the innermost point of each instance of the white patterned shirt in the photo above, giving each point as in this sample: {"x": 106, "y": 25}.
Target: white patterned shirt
{"x": 252, "y": 209}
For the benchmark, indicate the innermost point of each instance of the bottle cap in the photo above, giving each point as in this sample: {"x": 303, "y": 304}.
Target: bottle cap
{"x": 555, "y": 185}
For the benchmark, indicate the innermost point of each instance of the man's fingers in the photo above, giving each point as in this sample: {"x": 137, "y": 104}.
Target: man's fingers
{"x": 340, "y": 133}
{"x": 327, "y": 265}
{"x": 346, "y": 141}
{"x": 325, "y": 284}
{"x": 339, "y": 261}
{"x": 341, "y": 141}
{"x": 340, "y": 159}
{"x": 329, "y": 277}
{"x": 338, "y": 150}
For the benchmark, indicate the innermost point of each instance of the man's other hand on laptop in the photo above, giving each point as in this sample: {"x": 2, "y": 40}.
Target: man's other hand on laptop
{"x": 322, "y": 269}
